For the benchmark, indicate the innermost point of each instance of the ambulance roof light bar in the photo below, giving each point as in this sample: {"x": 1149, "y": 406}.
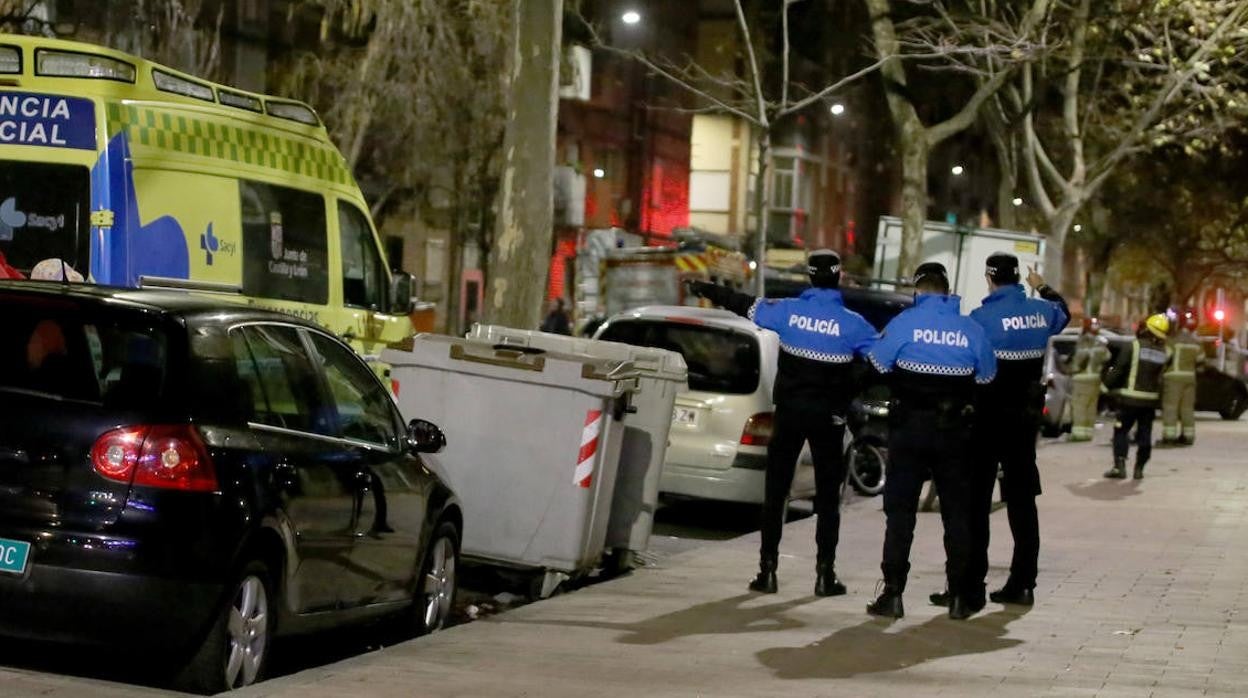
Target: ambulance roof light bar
{"x": 10, "y": 60}
{"x": 167, "y": 82}
{"x": 293, "y": 111}
{"x": 72, "y": 64}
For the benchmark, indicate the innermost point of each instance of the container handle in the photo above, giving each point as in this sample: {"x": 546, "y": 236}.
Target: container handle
{"x": 509, "y": 358}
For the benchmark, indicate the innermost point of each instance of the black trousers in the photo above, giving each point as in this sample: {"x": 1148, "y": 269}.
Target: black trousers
{"x": 1142, "y": 419}
{"x": 922, "y": 443}
{"x": 823, "y": 426}
{"x": 1005, "y": 436}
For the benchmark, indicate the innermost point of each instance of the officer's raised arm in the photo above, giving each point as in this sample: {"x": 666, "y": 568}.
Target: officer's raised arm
{"x": 1062, "y": 317}
{"x": 724, "y": 297}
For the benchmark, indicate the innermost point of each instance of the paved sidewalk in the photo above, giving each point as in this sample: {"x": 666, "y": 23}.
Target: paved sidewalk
{"x": 1140, "y": 594}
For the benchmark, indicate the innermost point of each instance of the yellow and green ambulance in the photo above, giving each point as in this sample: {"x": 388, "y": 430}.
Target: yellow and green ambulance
{"x": 138, "y": 175}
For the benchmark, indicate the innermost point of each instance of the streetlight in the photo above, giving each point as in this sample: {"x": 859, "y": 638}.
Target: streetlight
{"x": 631, "y": 17}
{"x": 957, "y": 170}
{"x": 599, "y": 173}
{"x": 1018, "y": 201}
{"x": 838, "y": 109}
{"x": 1078, "y": 228}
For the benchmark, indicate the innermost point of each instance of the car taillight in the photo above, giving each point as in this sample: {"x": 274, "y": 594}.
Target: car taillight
{"x": 165, "y": 456}
{"x": 757, "y": 430}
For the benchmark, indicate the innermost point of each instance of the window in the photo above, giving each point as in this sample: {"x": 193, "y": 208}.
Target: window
{"x": 719, "y": 360}
{"x": 275, "y": 368}
{"x": 365, "y": 410}
{"x": 783, "y": 174}
{"x": 44, "y": 213}
{"x": 363, "y": 277}
{"x": 62, "y": 351}
{"x": 285, "y": 250}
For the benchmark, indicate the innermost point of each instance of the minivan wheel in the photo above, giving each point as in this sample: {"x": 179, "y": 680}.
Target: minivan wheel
{"x": 438, "y": 580}
{"x": 236, "y": 650}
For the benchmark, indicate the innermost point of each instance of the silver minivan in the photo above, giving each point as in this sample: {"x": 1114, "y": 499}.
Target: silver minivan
{"x": 722, "y": 423}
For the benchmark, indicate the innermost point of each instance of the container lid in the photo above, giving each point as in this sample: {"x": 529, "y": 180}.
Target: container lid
{"x": 651, "y": 362}
{"x": 598, "y": 376}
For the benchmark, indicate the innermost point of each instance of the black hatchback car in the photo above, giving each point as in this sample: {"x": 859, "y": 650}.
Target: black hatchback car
{"x": 195, "y": 478}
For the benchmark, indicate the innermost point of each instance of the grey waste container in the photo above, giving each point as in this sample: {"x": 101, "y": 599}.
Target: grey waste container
{"x": 661, "y": 375}
{"x": 533, "y": 442}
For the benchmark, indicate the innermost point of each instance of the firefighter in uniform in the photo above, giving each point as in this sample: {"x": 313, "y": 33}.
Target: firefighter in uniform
{"x": 1135, "y": 379}
{"x": 1007, "y": 424}
{"x": 1091, "y": 355}
{"x": 1178, "y": 389}
{"x": 816, "y": 378}
{"x": 933, "y": 356}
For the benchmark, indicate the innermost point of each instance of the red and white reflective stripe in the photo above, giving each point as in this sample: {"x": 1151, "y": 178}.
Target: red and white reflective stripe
{"x": 589, "y": 448}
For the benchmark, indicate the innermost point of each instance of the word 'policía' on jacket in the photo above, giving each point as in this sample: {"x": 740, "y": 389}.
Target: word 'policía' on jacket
{"x": 819, "y": 337}
{"x": 931, "y": 349}
{"x": 1019, "y": 328}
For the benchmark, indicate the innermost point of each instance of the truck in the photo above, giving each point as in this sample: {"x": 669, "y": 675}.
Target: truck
{"x": 612, "y": 279}
{"x": 962, "y": 249}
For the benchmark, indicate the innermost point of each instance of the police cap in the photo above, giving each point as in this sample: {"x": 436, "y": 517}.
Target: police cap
{"x": 1002, "y": 268}
{"x": 931, "y": 276}
{"x": 824, "y": 267}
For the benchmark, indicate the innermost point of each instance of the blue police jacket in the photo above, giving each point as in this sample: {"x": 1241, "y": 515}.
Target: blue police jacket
{"x": 933, "y": 339}
{"x": 1019, "y": 327}
{"x": 816, "y": 325}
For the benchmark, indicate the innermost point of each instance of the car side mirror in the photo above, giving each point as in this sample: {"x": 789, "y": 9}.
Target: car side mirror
{"x": 401, "y": 284}
{"x": 424, "y": 436}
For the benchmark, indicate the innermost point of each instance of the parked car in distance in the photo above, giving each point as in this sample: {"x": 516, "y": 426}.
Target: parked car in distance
{"x": 1215, "y": 391}
{"x": 722, "y": 424}
{"x": 191, "y": 480}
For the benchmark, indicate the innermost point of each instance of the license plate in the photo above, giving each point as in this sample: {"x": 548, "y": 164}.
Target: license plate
{"x": 685, "y": 416}
{"x": 13, "y": 554}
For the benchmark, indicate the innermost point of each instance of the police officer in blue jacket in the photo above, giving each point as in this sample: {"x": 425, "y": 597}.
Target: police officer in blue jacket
{"x": 815, "y": 382}
{"x": 933, "y": 357}
{"x": 1008, "y": 413}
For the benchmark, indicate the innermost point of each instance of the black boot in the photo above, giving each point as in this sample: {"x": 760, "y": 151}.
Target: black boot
{"x": 974, "y": 602}
{"x": 766, "y": 581}
{"x": 826, "y": 583}
{"x": 1013, "y": 594}
{"x": 1119, "y": 471}
{"x": 888, "y": 605}
{"x": 960, "y": 608}
{"x": 1138, "y": 474}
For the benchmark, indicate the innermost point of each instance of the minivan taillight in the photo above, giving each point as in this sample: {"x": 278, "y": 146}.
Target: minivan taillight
{"x": 757, "y": 430}
{"x": 165, "y": 456}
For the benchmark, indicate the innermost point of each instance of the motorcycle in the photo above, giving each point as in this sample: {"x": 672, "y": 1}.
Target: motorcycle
{"x": 866, "y": 453}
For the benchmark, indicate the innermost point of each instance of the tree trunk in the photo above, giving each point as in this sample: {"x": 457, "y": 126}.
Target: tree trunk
{"x": 520, "y": 256}
{"x": 914, "y": 154}
{"x": 1058, "y": 264}
{"x": 760, "y": 209}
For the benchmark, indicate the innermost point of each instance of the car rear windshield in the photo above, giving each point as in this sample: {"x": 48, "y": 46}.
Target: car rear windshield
{"x": 719, "y": 360}
{"x": 63, "y": 350}
{"x": 44, "y": 211}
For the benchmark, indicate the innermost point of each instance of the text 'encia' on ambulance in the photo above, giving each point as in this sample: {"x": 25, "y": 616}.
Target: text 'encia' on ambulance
{"x": 138, "y": 175}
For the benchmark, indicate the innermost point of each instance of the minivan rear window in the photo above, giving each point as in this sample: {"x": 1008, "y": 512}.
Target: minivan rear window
{"x": 58, "y": 350}
{"x": 719, "y": 360}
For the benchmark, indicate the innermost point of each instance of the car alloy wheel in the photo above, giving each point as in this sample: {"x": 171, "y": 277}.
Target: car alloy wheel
{"x": 439, "y": 583}
{"x": 247, "y": 633}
